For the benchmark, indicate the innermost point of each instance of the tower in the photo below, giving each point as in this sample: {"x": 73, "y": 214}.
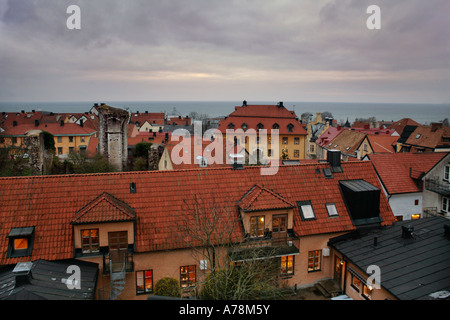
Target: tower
{"x": 113, "y": 135}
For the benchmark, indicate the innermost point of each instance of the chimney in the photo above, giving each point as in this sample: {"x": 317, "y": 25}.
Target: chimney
{"x": 146, "y": 112}
{"x": 81, "y": 123}
{"x": 14, "y": 123}
{"x": 407, "y": 232}
{"x": 61, "y": 123}
{"x": 244, "y": 103}
{"x": 237, "y": 161}
{"x": 334, "y": 159}
{"x": 280, "y": 104}
{"x": 36, "y": 123}
{"x": 435, "y": 126}
{"x": 22, "y": 273}
{"x": 166, "y": 137}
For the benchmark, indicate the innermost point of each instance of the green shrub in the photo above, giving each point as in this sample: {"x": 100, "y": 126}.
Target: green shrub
{"x": 168, "y": 287}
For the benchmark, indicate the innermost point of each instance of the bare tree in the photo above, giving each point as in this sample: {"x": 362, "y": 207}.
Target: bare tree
{"x": 237, "y": 270}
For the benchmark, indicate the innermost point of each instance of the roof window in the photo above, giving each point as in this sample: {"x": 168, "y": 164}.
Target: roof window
{"x": 332, "y": 211}
{"x": 306, "y": 210}
{"x": 20, "y": 242}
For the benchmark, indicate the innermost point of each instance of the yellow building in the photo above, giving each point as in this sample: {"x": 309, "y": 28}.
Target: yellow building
{"x": 69, "y": 137}
{"x": 246, "y": 121}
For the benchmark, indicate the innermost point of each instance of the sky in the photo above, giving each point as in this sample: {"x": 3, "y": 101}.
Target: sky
{"x": 210, "y": 50}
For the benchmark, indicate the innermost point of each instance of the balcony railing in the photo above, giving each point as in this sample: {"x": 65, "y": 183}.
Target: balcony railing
{"x": 267, "y": 247}
{"x": 440, "y": 187}
{"x": 433, "y": 212}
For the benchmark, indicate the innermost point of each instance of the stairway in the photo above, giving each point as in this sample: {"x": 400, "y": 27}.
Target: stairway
{"x": 117, "y": 269}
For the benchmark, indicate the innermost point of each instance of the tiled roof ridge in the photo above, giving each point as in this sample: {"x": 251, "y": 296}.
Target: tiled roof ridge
{"x": 201, "y": 170}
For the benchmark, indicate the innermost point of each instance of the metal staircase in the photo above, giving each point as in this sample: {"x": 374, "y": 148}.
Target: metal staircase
{"x": 117, "y": 272}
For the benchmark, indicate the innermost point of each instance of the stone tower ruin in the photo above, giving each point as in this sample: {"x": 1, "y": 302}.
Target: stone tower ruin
{"x": 112, "y": 140}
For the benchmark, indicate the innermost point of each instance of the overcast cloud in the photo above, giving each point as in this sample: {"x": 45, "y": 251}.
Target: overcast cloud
{"x": 298, "y": 50}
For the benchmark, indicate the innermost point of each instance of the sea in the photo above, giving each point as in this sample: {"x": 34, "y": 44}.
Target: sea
{"x": 341, "y": 111}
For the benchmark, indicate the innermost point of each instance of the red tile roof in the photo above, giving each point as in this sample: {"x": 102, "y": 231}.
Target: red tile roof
{"x": 105, "y": 208}
{"x": 382, "y": 143}
{"x": 399, "y": 172}
{"x": 400, "y": 125}
{"x": 164, "y": 198}
{"x": 260, "y": 198}
{"x": 267, "y": 115}
{"x": 53, "y": 128}
{"x": 429, "y": 137}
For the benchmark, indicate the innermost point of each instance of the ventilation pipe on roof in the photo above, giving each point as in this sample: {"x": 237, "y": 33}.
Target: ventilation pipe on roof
{"x": 447, "y": 230}
{"x": 407, "y": 232}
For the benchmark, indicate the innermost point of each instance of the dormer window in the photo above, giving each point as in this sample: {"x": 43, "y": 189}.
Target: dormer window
{"x": 20, "y": 242}
{"x": 290, "y": 127}
{"x": 276, "y": 126}
{"x": 244, "y": 126}
{"x": 259, "y": 126}
{"x": 231, "y": 125}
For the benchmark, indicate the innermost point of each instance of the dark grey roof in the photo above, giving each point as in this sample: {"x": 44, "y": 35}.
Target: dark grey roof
{"x": 48, "y": 281}
{"x": 411, "y": 269}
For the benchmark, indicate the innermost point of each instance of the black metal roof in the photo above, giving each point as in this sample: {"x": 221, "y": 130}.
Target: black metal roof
{"x": 48, "y": 281}
{"x": 411, "y": 269}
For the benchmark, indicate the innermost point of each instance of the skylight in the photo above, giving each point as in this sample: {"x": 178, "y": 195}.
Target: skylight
{"x": 306, "y": 210}
{"x": 331, "y": 208}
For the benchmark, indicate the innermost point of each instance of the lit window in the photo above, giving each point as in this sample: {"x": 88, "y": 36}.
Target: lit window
{"x": 144, "y": 281}
{"x": 257, "y": 226}
{"x": 90, "y": 241}
{"x": 82, "y": 139}
{"x": 285, "y": 140}
{"x": 20, "y": 242}
{"x": 306, "y": 210}
{"x": 415, "y": 216}
{"x": 367, "y": 292}
{"x": 187, "y": 276}
{"x": 331, "y": 208}
{"x": 279, "y": 224}
{"x": 287, "y": 265}
{"x": 356, "y": 283}
{"x": 314, "y": 259}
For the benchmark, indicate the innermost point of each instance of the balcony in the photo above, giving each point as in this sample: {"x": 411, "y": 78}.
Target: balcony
{"x": 440, "y": 187}
{"x": 267, "y": 247}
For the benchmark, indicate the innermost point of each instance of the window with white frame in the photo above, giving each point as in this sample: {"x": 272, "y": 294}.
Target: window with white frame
{"x": 447, "y": 173}
{"x": 445, "y": 204}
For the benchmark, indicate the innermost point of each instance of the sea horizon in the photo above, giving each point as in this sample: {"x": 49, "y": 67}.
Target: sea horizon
{"x": 424, "y": 113}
